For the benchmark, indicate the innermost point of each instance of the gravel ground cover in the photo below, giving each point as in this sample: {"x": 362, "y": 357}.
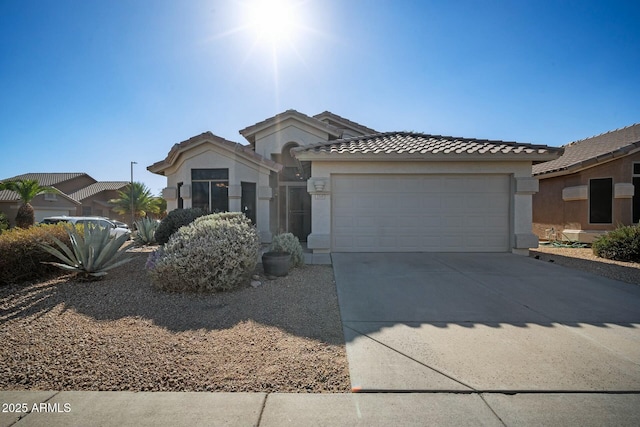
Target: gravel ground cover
{"x": 584, "y": 259}
{"x": 122, "y": 334}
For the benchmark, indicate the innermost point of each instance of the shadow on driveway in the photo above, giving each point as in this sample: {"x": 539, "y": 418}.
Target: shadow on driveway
{"x": 425, "y": 321}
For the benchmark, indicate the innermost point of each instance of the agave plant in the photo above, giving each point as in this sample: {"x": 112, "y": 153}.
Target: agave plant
{"x": 90, "y": 256}
{"x": 146, "y": 232}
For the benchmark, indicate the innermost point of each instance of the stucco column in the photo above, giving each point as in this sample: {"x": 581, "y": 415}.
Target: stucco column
{"x": 320, "y": 238}
{"x": 235, "y": 195}
{"x": 265, "y": 194}
{"x": 525, "y": 187}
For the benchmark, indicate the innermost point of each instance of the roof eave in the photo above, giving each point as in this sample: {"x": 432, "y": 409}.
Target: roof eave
{"x": 404, "y": 157}
{"x": 589, "y": 163}
{"x": 229, "y": 146}
{"x": 250, "y": 132}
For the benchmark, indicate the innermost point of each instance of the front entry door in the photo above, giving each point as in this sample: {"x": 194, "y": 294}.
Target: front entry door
{"x": 295, "y": 211}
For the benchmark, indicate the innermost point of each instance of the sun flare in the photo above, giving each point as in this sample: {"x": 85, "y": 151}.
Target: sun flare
{"x": 273, "y": 21}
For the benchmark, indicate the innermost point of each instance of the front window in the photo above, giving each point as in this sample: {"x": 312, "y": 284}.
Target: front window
{"x": 210, "y": 188}
{"x": 601, "y": 201}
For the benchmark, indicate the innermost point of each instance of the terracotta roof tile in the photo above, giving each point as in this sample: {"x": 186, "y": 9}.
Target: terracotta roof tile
{"x": 591, "y": 150}
{"x": 47, "y": 179}
{"x": 418, "y": 143}
{"x": 96, "y": 188}
{"x": 339, "y": 119}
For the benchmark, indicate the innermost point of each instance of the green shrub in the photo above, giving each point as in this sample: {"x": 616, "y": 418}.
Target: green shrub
{"x": 216, "y": 252}
{"x": 4, "y": 222}
{"x": 287, "y": 242}
{"x": 174, "y": 220}
{"x": 145, "y": 233}
{"x": 621, "y": 244}
{"x": 21, "y": 256}
{"x": 91, "y": 255}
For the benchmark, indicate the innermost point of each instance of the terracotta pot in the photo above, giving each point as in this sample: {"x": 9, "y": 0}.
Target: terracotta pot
{"x": 276, "y": 263}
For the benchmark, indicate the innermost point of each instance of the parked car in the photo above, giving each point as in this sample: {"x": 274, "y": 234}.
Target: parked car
{"x": 117, "y": 223}
{"x": 114, "y": 230}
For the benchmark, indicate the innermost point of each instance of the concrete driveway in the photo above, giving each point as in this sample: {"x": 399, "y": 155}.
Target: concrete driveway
{"x": 485, "y": 322}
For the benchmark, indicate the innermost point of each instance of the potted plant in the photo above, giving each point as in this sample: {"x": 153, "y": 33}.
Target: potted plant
{"x": 276, "y": 263}
{"x": 285, "y": 251}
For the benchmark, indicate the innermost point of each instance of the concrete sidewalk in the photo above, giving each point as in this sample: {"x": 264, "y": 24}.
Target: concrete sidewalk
{"x": 77, "y": 408}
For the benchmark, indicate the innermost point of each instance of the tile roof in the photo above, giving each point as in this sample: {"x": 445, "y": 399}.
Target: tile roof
{"x": 96, "y": 188}
{"x": 47, "y": 179}
{"x": 341, "y": 120}
{"x": 242, "y": 150}
{"x": 8, "y": 196}
{"x": 411, "y": 143}
{"x": 587, "y": 152}
{"x": 44, "y": 179}
{"x": 250, "y": 131}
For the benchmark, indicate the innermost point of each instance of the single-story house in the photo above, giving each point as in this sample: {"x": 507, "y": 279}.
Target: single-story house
{"x": 80, "y": 195}
{"x": 592, "y": 188}
{"x": 344, "y": 187}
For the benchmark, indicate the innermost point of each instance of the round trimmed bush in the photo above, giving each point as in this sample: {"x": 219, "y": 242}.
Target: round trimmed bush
{"x": 174, "y": 220}
{"x": 621, "y": 244}
{"x": 216, "y": 252}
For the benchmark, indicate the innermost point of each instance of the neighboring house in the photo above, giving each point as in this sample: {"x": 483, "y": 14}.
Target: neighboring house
{"x": 343, "y": 187}
{"x": 79, "y": 195}
{"x": 592, "y": 188}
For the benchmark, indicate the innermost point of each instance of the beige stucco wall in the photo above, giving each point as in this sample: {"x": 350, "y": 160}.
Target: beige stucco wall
{"x": 523, "y": 186}
{"x": 99, "y": 204}
{"x": 211, "y": 156}
{"x": 42, "y": 208}
{"x": 270, "y": 141}
{"x": 550, "y": 210}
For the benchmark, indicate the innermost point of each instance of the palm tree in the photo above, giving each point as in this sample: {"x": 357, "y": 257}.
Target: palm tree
{"x": 27, "y": 190}
{"x": 143, "y": 202}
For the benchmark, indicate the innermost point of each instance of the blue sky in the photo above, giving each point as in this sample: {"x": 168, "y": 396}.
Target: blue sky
{"x": 90, "y": 85}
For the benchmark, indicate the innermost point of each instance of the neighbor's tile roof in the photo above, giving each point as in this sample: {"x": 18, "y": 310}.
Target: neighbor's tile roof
{"x": 44, "y": 179}
{"x": 96, "y": 188}
{"x": 418, "y": 143}
{"x": 8, "y": 196}
{"x": 589, "y": 151}
{"x": 47, "y": 179}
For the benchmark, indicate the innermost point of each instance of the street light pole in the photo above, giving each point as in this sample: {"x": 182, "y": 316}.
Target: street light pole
{"x": 132, "y": 205}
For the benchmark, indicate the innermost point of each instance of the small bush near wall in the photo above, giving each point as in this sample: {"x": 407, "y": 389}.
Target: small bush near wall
{"x": 216, "y": 252}
{"x": 287, "y": 242}
{"x": 4, "y": 222}
{"x": 621, "y": 244}
{"x": 174, "y": 220}
{"x": 21, "y": 258}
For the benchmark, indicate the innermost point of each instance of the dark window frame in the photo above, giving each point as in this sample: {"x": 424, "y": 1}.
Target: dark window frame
{"x": 249, "y": 200}
{"x": 216, "y": 182}
{"x": 601, "y": 193}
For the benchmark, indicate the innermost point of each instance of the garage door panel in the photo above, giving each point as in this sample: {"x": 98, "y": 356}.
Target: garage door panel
{"x": 420, "y": 213}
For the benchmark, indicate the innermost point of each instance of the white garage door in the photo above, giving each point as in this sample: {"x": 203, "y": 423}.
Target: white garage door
{"x": 420, "y": 213}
